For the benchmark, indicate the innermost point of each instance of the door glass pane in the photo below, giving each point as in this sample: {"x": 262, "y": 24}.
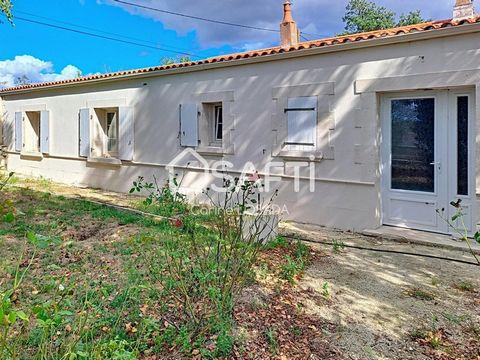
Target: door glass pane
{"x": 413, "y": 144}
{"x": 462, "y": 145}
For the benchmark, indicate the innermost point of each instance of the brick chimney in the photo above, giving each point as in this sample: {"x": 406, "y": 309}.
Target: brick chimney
{"x": 463, "y": 9}
{"x": 289, "y": 34}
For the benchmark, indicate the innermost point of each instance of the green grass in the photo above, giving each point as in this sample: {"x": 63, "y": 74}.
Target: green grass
{"x": 100, "y": 287}
{"x": 104, "y": 284}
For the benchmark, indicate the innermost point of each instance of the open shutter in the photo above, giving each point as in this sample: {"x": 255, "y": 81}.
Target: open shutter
{"x": 125, "y": 133}
{"x": 84, "y": 133}
{"x": 302, "y": 121}
{"x": 44, "y": 132}
{"x": 189, "y": 125}
{"x": 18, "y": 131}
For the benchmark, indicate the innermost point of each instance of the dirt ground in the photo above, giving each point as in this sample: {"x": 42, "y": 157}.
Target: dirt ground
{"x": 391, "y": 306}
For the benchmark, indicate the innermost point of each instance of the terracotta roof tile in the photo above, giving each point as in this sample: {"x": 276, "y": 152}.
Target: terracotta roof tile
{"x": 432, "y": 25}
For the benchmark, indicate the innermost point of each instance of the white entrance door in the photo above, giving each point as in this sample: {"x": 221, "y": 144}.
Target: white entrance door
{"x": 427, "y": 159}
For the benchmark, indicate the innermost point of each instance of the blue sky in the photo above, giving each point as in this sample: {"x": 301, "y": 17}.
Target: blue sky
{"x": 43, "y": 53}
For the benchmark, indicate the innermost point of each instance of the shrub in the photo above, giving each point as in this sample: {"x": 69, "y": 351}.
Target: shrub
{"x": 206, "y": 260}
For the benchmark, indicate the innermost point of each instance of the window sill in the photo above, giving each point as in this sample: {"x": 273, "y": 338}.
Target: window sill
{"x": 104, "y": 161}
{"x": 214, "y": 150}
{"x": 301, "y": 155}
{"x": 31, "y": 155}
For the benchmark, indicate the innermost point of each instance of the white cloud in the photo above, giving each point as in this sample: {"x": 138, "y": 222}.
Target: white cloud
{"x": 33, "y": 70}
{"x": 318, "y": 18}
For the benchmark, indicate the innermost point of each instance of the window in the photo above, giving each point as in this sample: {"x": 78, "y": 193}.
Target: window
{"x": 213, "y": 117}
{"x": 107, "y": 134}
{"x": 302, "y": 123}
{"x": 462, "y": 145}
{"x": 218, "y": 126}
{"x": 413, "y": 144}
{"x": 112, "y": 132}
{"x": 32, "y": 132}
{"x": 106, "y": 139}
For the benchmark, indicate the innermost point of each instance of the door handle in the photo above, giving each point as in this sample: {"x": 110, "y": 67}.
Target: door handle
{"x": 437, "y": 163}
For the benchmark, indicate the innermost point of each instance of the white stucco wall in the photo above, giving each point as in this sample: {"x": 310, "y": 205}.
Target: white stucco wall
{"x": 347, "y": 191}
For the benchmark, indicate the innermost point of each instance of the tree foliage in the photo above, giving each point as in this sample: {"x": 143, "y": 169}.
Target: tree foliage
{"x": 175, "y": 60}
{"x": 413, "y": 17}
{"x": 6, "y": 9}
{"x": 365, "y": 15}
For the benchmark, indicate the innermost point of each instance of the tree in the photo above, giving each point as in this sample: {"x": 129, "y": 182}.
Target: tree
{"x": 6, "y": 9}
{"x": 413, "y": 17}
{"x": 22, "y": 80}
{"x": 365, "y": 15}
{"x": 178, "y": 60}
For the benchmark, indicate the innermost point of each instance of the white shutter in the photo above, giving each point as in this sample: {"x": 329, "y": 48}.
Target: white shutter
{"x": 44, "y": 132}
{"x": 18, "y": 131}
{"x": 125, "y": 133}
{"x": 84, "y": 133}
{"x": 302, "y": 121}
{"x": 189, "y": 125}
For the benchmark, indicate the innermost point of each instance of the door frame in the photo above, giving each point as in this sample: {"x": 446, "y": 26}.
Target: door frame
{"x": 445, "y": 134}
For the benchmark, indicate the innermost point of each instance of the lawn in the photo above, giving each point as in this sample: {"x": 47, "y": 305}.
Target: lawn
{"x": 100, "y": 286}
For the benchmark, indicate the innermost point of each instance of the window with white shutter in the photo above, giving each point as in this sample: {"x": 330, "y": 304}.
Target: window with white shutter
{"x": 302, "y": 121}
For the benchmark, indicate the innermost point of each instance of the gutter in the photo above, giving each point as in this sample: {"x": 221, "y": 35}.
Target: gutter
{"x": 361, "y": 44}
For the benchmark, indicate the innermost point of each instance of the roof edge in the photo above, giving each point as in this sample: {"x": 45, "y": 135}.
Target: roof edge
{"x": 429, "y": 30}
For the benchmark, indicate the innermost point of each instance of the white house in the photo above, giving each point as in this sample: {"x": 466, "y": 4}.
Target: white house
{"x": 390, "y": 119}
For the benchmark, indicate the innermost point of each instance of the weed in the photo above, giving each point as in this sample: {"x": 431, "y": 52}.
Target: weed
{"x": 272, "y": 340}
{"x": 115, "y": 349}
{"x": 326, "y": 290}
{"x": 278, "y": 242}
{"x": 454, "y": 318}
{"x": 458, "y": 225}
{"x": 465, "y": 286}
{"x": 418, "y": 334}
{"x": 295, "y": 265}
{"x": 420, "y": 294}
{"x": 338, "y": 245}
{"x": 290, "y": 269}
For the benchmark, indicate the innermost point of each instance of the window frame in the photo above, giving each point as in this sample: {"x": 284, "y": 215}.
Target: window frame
{"x": 102, "y": 138}
{"x": 217, "y": 124}
{"x": 107, "y": 150}
{"x": 212, "y": 121}
{"x": 32, "y": 131}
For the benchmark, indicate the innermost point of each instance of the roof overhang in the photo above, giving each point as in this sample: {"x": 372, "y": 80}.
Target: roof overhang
{"x": 348, "y": 46}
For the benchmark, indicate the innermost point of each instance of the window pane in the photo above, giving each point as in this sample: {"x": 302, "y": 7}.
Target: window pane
{"x": 462, "y": 145}
{"x": 218, "y": 123}
{"x": 112, "y": 132}
{"x": 413, "y": 144}
{"x": 302, "y": 121}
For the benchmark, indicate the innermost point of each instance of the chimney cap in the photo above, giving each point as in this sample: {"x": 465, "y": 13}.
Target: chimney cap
{"x": 289, "y": 34}
{"x": 287, "y": 12}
